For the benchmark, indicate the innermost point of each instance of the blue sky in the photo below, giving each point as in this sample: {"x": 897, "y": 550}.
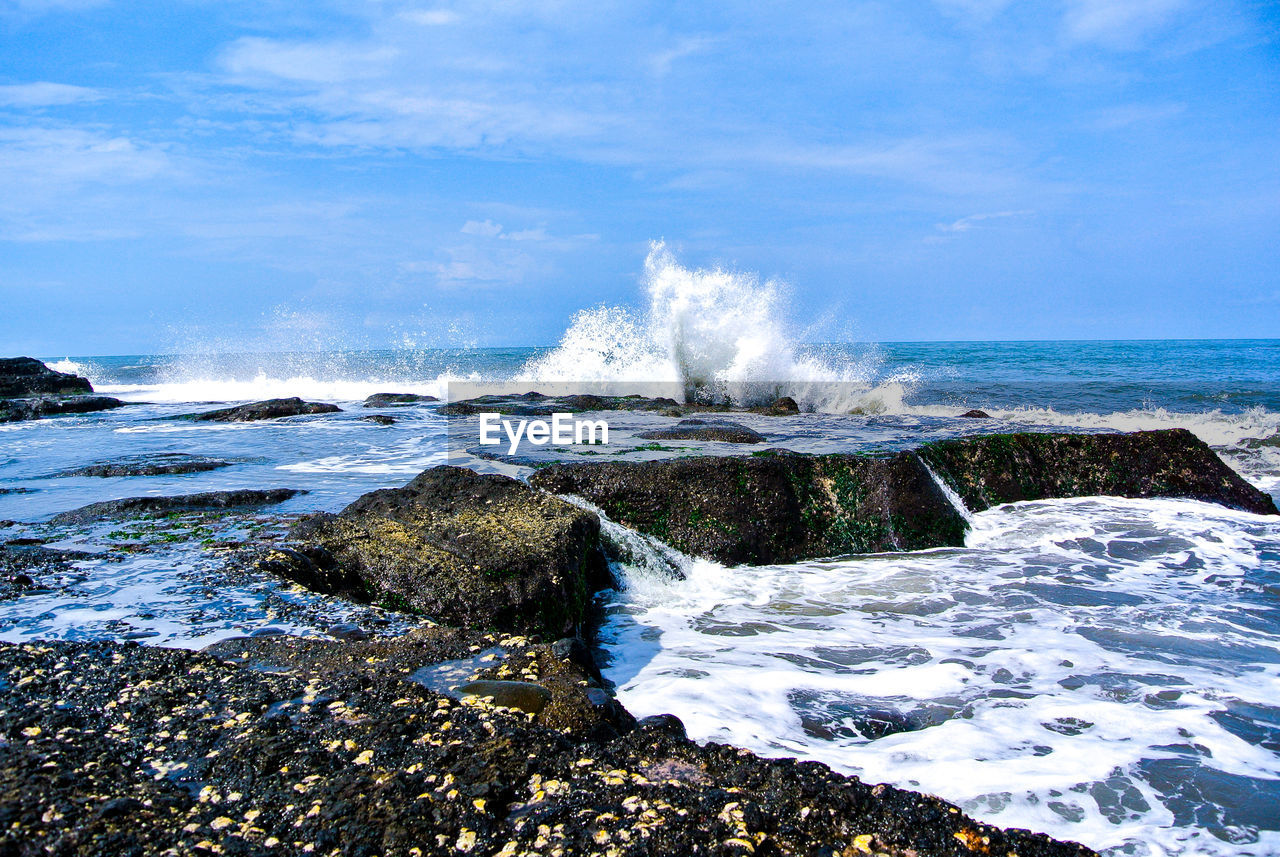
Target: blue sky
{"x": 277, "y": 175}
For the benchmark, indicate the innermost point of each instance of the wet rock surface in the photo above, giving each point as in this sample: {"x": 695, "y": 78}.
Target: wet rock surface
{"x": 385, "y": 400}
{"x": 725, "y": 431}
{"x": 783, "y": 406}
{"x": 976, "y": 414}
{"x": 18, "y": 410}
{"x": 118, "y": 749}
{"x": 26, "y": 376}
{"x": 266, "y": 410}
{"x": 156, "y": 464}
{"x": 201, "y": 502}
{"x": 988, "y": 470}
{"x": 772, "y": 507}
{"x": 380, "y": 419}
{"x": 479, "y": 551}
{"x": 535, "y": 404}
{"x": 27, "y": 567}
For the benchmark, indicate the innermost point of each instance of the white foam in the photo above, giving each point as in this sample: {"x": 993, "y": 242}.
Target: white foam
{"x": 1036, "y": 652}
{"x": 265, "y": 386}
{"x": 706, "y": 334}
{"x": 69, "y": 366}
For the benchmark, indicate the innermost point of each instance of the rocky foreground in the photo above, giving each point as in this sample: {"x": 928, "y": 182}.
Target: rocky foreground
{"x": 293, "y": 747}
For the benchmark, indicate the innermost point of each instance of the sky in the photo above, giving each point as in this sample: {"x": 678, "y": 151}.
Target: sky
{"x": 196, "y": 175}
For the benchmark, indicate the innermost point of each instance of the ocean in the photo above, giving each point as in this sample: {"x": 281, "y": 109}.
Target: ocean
{"x": 1100, "y": 669}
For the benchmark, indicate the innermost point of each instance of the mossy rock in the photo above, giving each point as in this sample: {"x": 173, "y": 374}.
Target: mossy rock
{"x": 478, "y": 551}
{"x": 1004, "y": 468}
{"x": 782, "y": 507}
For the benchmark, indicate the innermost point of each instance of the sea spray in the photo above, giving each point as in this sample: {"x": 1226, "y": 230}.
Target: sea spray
{"x": 711, "y": 336}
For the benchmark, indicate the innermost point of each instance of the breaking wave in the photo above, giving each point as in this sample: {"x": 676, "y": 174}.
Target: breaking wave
{"x": 714, "y": 335}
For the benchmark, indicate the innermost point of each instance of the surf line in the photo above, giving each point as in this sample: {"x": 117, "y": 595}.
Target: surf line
{"x": 563, "y": 429}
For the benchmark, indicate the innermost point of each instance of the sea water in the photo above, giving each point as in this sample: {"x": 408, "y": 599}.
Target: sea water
{"x": 1099, "y": 669}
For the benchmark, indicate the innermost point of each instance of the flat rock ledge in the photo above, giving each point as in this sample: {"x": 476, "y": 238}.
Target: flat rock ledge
{"x": 206, "y": 501}
{"x": 478, "y": 551}
{"x": 386, "y": 400}
{"x": 775, "y": 506}
{"x": 535, "y": 404}
{"x": 723, "y": 431}
{"x": 1004, "y": 468}
{"x": 19, "y": 410}
{"x": 121, "y": 749}
{"x": 155, "y": 464}
{"x": 779, "y": 506}
{"x": 269, "y": 409}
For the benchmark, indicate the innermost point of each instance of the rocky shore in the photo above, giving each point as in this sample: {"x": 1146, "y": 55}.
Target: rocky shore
{"x": 30, "y": 390}
{"x": 474, "y": 735}
{"x": 292, "y": 748}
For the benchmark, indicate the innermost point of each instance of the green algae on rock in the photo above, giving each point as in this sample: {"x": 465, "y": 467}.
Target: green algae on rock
{"x": 780, "y": 507}
{"x": 205, "y": 501}
{"x": 1004, "y": 468}
{"x": 269, "y": 409}
{"x": 480, "y": 551}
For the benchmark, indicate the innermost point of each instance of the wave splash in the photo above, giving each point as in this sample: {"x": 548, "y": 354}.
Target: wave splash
{"x": 712, "y": 335}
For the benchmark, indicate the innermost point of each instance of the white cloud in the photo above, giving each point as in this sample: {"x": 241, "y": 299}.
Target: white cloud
{"x": 305, "y": 62}
{"x": 486, "y": 228}
{"x": 37, "y": 7}
{"x": 470, "y": 266}
{"x": 661, "y": 62}
{"x": 431, "y": 17}
{"x": 1117, "y": 23}
{"x": 965, "y": 224}
{"x": 44, "y": 94}
{"x": 980, "y": 10}
{"x": 1125, "y": 115}
{"x": 538, "y": 234}
{"x": 44, "y": 157}
{"x": 961, "y": 164}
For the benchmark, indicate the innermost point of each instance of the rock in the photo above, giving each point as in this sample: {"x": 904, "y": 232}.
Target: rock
{"x": 17, "y": 410}
{"x": 380, "y": 419}
{"x": 155, "y": 464}
{"x": 533, "y": 404}
{"x": 347, "y": 631}
{"x": 390, "y": 766}
{"x": 1261, "y": 442}
{"x": 524, "y": 695}
{"x": 1004, "y": 468}
{"x": 481, "y": 551}
{"x": 773, "y": 507}
{"x": 385, "y": 400}
{"x": 976, "y": 414}
{"x": 25, "y": 566}
{"x": 208, "y": 501}
{"x": 268, "y": 410}
{"x": 713, "y": 430}
{"x": 781, "y": 407}
{"x": 574, "y": 650}
{"x": 778, "y": 506}
{"x": 26, "y": 376}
